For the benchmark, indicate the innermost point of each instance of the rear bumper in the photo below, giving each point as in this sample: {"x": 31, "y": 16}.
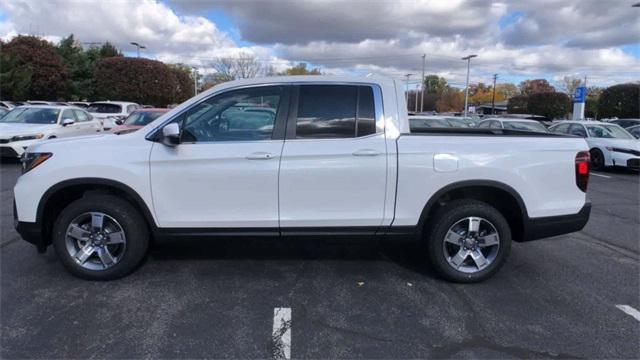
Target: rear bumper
{"x": 539, "y": 228}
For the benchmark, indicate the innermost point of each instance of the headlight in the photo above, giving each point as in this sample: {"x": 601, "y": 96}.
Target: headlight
{"x": 31, "y": 160}
{"x": 622, "y": 150}
{"x": 27, "y": 137}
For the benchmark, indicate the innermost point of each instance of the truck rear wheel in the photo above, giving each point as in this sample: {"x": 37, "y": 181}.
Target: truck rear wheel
{"x": 100, "y": 237}
{"x": 468, "y": 241}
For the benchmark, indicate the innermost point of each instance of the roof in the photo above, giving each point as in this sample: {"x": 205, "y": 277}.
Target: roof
{"x": 49, "y": 106}
{"x": 114, "y": 102}
{"x": 511, "y": 119}
{"x": 152, "y": 110}
{"x": 301, "y": 79}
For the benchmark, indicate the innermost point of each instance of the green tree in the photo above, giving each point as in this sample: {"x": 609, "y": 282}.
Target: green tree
{"x": 508, "y": 90}
{"x": 135, "y": 79}
{"x": 184, "y": 81}
{"x": 30, "y": 69}
{"x": 621, "y": 101}
{"x": 518, "y": 105}
{"x": 79, "y": 68}
{"x": 434, "y": 84}
{"x": 553, "y": 105}
{"x": 301, "y": 69}
{"x": 109, "y": 50}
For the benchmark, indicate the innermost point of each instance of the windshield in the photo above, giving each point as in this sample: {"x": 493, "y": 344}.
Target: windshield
{"x": 141, "y": 118}
{"x": 102, "y": 108}
{"x": 608, "y": 131}
{"x": 524, "y": 126}
{"x": 31, "y": 116}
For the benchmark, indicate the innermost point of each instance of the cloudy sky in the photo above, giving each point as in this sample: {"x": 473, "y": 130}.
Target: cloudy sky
{"x": 599, "y": 39}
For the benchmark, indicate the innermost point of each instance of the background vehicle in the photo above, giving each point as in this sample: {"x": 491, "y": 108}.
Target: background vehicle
{"x": 9, "y": 104}
{"x": 138, "y": 119}
{"x": 3, "y": 112}
{"x": 332, "y": 156}
{"x": 625, "y": 123}
{"x": 634, "y": 130}
{"x": 25, "y": 125}
{"x": 609, "y": 144}
{"x": 40, "y": 102}
{"x": 109, "y": 112}
{"x": 421, "y": 121}
{"x": 80, "y": 104}
{"x": 513, "y": 124}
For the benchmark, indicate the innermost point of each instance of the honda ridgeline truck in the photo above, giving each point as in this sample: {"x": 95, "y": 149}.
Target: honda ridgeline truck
{"x": 295, "y": 156}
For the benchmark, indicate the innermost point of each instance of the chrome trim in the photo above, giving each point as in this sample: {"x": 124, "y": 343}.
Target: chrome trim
{"x": 377, "y": 100}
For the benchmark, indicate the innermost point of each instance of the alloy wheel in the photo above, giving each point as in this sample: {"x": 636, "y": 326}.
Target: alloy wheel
{"x": 95, "y": 241}
{"x": 471, "y": 244}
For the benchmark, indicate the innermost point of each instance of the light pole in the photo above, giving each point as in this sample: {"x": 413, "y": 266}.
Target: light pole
{"x": 138, "y": 47}
{"x": 493, "y": 98}
{"x": 195, "y": 80}
{"x": 466, "y": 88}
{"x": 406, "y": 93}
{"x": 424, "y": 58}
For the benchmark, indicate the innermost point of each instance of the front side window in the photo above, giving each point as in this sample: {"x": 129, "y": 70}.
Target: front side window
{"x": 562, "y": 128}
{"x": 68, "y": 114}
{"x": 131, "y": 108}
{"x": 142, "y": 118}
{"x": 335, "y": 111}
{"x": 577, "y": 130}
{"x": 81, "y": 115}
{"x": 31, "y": 116}
{"x": 240, "y": 115}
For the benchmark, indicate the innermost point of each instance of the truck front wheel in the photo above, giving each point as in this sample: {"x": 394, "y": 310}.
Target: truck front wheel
{"x": 468, "y": 241}
{"x": 100, "y": 237}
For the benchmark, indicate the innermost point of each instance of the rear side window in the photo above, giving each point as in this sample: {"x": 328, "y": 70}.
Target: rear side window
{"x": 81, "y": 115}
{"x": 335, "y": 111}
{"x": 562, "y": 129}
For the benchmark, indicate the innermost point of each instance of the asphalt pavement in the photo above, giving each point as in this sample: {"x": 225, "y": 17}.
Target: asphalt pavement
{"x": 554, "y": 298}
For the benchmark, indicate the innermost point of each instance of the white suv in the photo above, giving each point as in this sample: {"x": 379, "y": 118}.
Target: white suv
{"x": 26, "y": 125}
{"x": 110, "y": 112}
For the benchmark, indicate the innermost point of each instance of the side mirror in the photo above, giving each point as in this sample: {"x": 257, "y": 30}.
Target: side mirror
{"x": 66, "y": 122}
{"x": 119, "y": 122}
{"x": 171, "y": 134}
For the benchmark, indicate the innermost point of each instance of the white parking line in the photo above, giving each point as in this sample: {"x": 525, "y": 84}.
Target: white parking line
{"x": 630, "y": 311}
{"x": 281, "y": 333}
{"x": 604, "y": 176}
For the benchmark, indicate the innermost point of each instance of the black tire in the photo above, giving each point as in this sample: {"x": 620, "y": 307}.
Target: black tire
{"x": 448, "y": 216}
{"x": 597, "y": 159}
{"x": 132, "y": 223}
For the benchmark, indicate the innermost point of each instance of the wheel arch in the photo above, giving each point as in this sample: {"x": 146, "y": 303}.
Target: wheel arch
{"x": 497, "y": 194}
{"x": 58, "y": 196}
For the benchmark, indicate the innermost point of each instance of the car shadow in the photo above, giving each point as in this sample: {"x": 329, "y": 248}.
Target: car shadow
{"x": 406, "y": 253}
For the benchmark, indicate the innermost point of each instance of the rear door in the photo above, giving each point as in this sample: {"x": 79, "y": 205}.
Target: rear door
{"x": 333, "y": 168}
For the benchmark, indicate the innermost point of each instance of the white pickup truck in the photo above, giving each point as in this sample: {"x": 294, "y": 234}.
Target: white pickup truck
{"x": 294, "y": 156}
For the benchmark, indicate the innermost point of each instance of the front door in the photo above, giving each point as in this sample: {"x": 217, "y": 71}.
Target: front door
{"x": 333, "y": 170}
{"x": 224, "y": 173}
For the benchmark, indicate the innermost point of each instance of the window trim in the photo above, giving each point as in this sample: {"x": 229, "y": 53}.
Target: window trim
{"x": 378, "y": 102}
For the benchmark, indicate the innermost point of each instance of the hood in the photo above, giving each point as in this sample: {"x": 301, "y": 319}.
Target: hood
{"x": 13, "y": 129}
{"x": 619, "y": 143}
{"x": 125, "y": 128}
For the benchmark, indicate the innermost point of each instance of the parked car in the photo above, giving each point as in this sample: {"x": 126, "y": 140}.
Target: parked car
{"x": 3, "y": 111}
{"x": 609, "y": 144}
{"x": 513, "y": 124}
{"x": 80, "y": 104}
{"x": 10, "y": 104}
{"x": 626, "y": 123}
{"x": 138, "y": 119}
{"x": 40, "y": 102}
{"x": 343, "y": 162}
{"x": 634, "y": 130}
{"x": 109, "y": 112}
{"x": 539, "y": 118}
{"x": 26, "y": 125}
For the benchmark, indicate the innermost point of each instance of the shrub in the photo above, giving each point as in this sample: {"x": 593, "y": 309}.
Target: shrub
{"x": 551, "y": 105}
{"x": 622, "y": 101}
{"x": 31, "y": 69}
{"x": 134, "y": 79}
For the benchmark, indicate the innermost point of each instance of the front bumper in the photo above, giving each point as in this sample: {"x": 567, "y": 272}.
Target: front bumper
{"x": 539, "y": 228}
{"x": 624, "y": 159}
{"x": 15, "y": 149}
{"x": 31, "y": 232}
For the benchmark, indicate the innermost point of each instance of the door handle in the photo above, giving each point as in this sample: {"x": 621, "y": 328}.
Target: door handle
{"x": 259, "y": 156}
{"x": 366, "y": 152}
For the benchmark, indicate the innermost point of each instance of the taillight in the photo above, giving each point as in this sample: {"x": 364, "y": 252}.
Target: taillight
{"x": 583, "y": 159}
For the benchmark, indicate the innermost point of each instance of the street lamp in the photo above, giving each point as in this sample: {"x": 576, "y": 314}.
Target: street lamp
{"x": 138, "y": 47}
{"x": 195, "y": 80}
{"x": 406, "y": 93}
{"x": 466, "y": 88}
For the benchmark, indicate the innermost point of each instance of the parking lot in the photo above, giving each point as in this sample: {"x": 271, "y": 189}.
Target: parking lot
{"x": 554, "y": 298}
